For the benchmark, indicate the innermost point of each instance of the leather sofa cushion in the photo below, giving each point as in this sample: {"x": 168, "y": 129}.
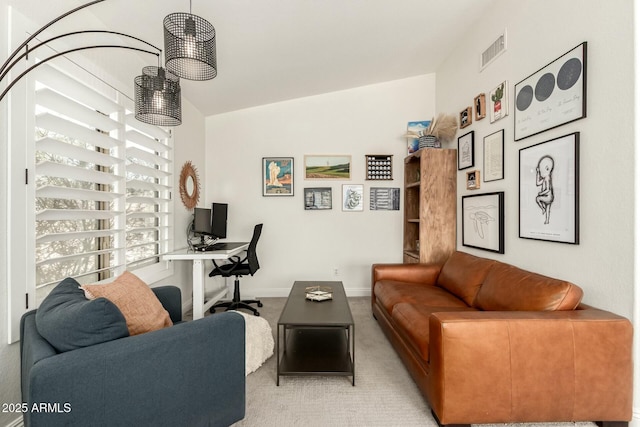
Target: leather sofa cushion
{"x": 412, "y": 321}
{"x": 462, "y": 275}
{"x": 391, "y": 292}
{"x": 509, "y": 288}
{"x": 67, "y": 320}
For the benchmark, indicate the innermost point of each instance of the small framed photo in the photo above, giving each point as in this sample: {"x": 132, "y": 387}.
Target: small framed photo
{"x": 483, "y": 221}
{"x": 499, "y": 98}
{"x": 480, "y": 106}
{"x": 473, "y": 180}
{"x": 465, "y": 151}
{"x": 466, "y": 117}
{"x": 494, "y": 156}
{"x": 549, "y": 190}
{"x": 333, "y": 167}
{"x": 277, "y": 176}
{"x": 318, "y": 198}
{"x": 352, "y": 197}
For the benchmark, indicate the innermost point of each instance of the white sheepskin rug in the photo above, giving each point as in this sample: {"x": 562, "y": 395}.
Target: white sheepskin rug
{"x": 259, "y": 341}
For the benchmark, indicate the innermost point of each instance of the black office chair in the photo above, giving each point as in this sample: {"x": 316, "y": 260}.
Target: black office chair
{"x": 239, "y": 267}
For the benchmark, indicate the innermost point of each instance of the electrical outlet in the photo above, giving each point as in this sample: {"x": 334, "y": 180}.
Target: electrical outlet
{"x": 336, "y": 272}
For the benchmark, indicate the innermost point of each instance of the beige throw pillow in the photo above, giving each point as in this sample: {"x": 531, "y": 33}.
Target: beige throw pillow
{"x": 139, "y": 305}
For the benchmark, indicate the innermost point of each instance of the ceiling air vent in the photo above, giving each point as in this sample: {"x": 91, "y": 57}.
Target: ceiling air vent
{"x": 493, "y": 51}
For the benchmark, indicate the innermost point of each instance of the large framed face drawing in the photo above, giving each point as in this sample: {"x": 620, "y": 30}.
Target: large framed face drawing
{"x": 483, "y": 221}
{"x": 552, "y": 96}
{"x": 549, "y": 189}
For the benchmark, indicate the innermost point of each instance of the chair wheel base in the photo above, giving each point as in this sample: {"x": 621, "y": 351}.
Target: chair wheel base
{"x": 237, "y": 305}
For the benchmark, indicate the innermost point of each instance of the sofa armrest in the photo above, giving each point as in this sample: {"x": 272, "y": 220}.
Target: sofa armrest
{"x": 410, "y": 273}
{"x": 192, "y": 373}
{"x": 543, "y": 366}
{"x": 171, "y": 299}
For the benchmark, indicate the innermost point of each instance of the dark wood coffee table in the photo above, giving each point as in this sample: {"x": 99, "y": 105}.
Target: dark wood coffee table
{"x": 317, "y": 337}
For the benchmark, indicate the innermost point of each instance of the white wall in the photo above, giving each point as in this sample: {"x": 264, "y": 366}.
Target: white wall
{"x": 188, "y": 144}
{"x": 602, "y": 264}
{"x": 539, "y": 32}
{"x": 308, "y": 245}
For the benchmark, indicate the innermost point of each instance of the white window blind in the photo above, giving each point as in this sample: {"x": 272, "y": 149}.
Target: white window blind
{"x": 148, "y": 174}
{"x": 103, "y": 185}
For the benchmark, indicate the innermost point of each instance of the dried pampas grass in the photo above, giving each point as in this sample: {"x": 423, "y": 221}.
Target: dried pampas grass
{"x": 443, "y": 127}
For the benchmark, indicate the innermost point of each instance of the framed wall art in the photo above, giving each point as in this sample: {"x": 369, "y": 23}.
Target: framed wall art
{"x": 493, "y": 151}
{"x": 480, "y": 106}
{"x": 552, "y": 96}
{"x": 549, "y": 187}
{"x": 414, "y": 130}
{"x": 466, "y": 117}
{"x": 277, "y": 176}
{"x": 384, "y": 199}
{"x": 318, "y": 198}
{"x": 499, "y": 102}
{"x": 483, "y": 221}
{"x": 466, "y": 153}
{"x": 334, "y": 167}
{"x": 473, "y": 180}
{"x": 379, "y": 167}
{"x": 352, "y": 197}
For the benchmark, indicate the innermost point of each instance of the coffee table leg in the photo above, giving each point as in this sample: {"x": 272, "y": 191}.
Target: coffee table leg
{"x": 352, "y": 339}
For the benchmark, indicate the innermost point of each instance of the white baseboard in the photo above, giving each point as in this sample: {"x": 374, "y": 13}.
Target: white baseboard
{"x": 635, "y": 421}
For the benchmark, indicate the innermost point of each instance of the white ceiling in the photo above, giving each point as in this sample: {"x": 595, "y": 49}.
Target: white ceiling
{"x": 274, "y": 50}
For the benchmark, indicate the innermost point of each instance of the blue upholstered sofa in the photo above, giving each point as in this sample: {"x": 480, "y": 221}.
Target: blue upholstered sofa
{"x": 189, "y": 374}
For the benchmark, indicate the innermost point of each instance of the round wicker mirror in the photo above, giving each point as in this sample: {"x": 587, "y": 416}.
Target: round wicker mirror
{"x": 189, "y": 186}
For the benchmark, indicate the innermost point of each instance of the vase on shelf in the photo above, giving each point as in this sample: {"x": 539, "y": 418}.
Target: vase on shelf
{"x": 428, "y": 141}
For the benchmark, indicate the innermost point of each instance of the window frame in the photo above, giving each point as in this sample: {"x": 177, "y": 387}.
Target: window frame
{"x": 21, "y": 195}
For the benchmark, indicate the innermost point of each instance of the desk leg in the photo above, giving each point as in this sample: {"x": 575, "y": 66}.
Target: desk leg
{"x": 198, "y": 289}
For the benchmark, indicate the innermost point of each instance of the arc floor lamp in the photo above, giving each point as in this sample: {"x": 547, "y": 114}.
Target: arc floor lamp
{"x": 157, "y": 90}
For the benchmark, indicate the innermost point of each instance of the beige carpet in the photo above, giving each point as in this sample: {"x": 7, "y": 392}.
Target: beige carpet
{"x": 384, "y": 394}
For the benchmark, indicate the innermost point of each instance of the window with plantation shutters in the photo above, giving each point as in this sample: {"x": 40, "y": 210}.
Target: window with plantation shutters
{"x": 102, "y": 185}
{"x": 148, "y": 192}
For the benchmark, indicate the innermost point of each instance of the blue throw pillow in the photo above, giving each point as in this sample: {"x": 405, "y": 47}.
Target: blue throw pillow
{"x": 68, "y": 320}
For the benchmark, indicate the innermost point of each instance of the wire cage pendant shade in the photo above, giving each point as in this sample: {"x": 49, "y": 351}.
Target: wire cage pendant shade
{"x": 157, "y": 97}
{"x": 190, "y": 46}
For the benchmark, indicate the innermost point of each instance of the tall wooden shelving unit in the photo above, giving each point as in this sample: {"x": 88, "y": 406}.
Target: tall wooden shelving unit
{"x": 429, "y": 205}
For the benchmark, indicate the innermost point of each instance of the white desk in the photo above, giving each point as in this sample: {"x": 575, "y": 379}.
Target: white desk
{"x": 198, "y": 259}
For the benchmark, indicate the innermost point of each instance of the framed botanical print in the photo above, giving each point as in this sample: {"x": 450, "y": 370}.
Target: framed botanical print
{"x": 499, "y": 102}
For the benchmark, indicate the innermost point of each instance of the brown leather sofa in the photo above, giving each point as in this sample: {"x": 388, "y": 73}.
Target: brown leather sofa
{"x": 487, "y": 342}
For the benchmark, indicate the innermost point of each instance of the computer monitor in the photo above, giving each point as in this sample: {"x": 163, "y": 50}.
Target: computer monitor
{"x": 219, "y": 220}
{"x": 202, "y": 221}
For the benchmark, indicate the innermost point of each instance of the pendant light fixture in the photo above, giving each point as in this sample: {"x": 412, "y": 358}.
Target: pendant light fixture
{"x": 157, "y": 97}
{"x": 190, "y": 46}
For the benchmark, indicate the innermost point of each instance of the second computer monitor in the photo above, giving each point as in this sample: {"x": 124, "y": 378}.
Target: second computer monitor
{"x": 219, "y": 220}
